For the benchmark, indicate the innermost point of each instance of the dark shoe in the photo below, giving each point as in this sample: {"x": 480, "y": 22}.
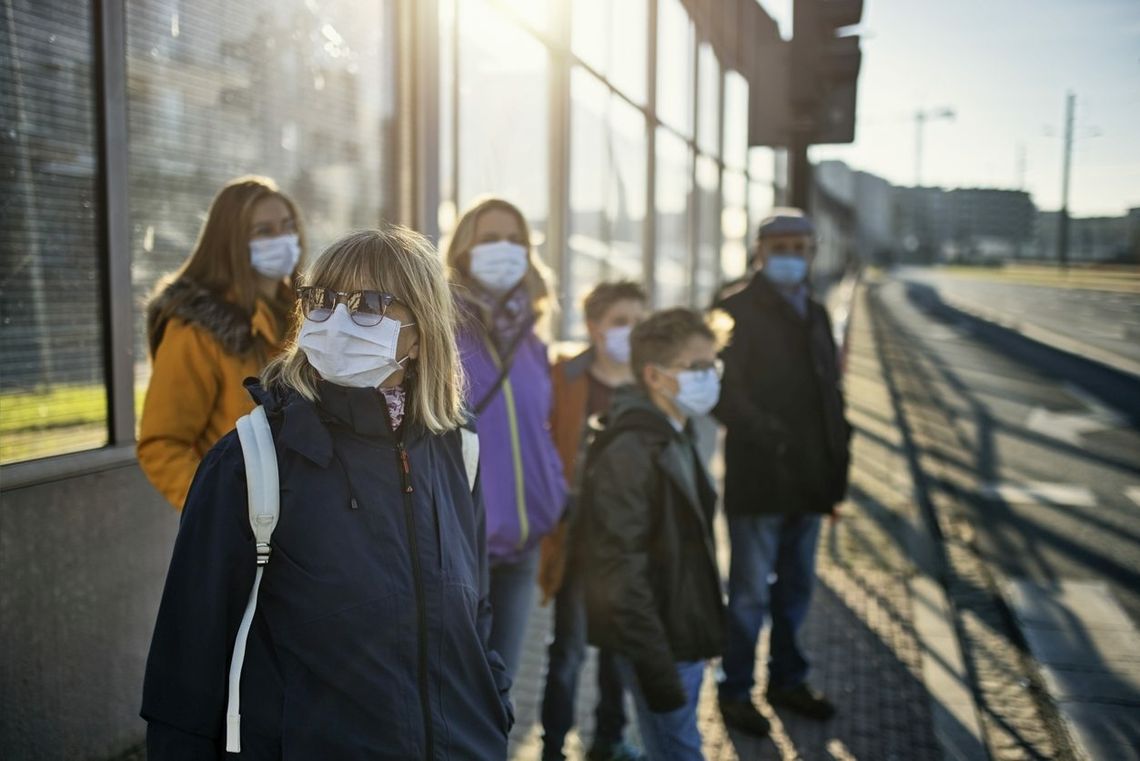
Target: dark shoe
{"x": 742, "y": 715}
{"x": 803, "y": 700}
{"x": 617, "y": 752}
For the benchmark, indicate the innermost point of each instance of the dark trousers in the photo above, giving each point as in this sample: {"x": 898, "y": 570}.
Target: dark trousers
{"x": 566, "y": 654}
{"x": 771, "y": 575}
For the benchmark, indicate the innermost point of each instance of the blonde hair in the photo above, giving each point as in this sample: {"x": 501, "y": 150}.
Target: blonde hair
{"x": 462, "y": 240}
{"x": 404, "y": 263}
{"x": 220, "y": 261}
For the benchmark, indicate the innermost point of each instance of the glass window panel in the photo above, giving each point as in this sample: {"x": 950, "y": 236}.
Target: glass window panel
{"x": 534, "y": 12}
{"x": 734, "y": 225}
{"x": 446, "y": 215}
{"x": 587, "y": 242}
{"x": 735, "y": 148}
{"x": 299, "y": 90}
{"x": 607, "y": 191}
{"x": 612, "y": 39}
{"x": 53, "y": 397}
{"x": 626, "y": 190}
{"x": 675, "y": 69}
{"x": 590, "y": 31}
{"x": 502, "y": 122}
{"x": 671, "y": 201}
{"x": 707, "y": 270}
{"x": 761, "y": 185}
{"x": 629, "y": 48}
{"x": 708, "y": 110}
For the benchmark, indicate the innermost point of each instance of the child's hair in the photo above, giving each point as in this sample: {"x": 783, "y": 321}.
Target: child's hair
{"x": 661, "y": 337}
{"x": 605, "y": 295}
{"x": 404, "y": 263}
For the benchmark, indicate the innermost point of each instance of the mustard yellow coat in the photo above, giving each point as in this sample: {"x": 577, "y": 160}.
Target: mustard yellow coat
{"x": 196, "y": 394}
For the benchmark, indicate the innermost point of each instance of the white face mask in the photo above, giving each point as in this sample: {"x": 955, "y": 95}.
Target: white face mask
{"x": 275, "y": 258}
{"x": 499, "y": 266}
{"x": 698, "y": 393}
{"x": 617, "y": 343}
{"x": 347, "y": 354}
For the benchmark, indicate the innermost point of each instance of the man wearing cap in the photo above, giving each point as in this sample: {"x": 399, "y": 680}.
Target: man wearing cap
{"x": 786, "y": 457}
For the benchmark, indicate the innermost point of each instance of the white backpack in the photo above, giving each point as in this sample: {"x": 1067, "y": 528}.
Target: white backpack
{"x": 264, "y": 493}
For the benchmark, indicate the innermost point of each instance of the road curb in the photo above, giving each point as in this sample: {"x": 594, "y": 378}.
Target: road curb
{"x": 1044, "y": 337}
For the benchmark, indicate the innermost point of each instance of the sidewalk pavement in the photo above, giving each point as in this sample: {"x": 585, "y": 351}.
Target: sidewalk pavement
{"x": 869, "y": 632}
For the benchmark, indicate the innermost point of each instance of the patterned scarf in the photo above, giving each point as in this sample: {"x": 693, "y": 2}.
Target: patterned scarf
{"x": 396, "y": 398}
{"x": 510, "y": 315}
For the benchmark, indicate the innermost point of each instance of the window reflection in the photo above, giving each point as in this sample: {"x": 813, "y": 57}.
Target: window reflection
{"x": 52, "y": 390}
{"x": 708, "y": 111}
{"x": 607, "y": 190}
{"x": 502, "y": 120}
{"x": 300, "y": 91}
{"x": 675, "y": 69}
{"x": 735, "y": 149}
{"x": 706, "y": 274}
{"x": 734, "y": 225}
{"x": 671, "y": 200}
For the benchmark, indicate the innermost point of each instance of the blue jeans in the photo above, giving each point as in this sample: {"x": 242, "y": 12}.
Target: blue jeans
{"x": 763, "y": 546}
{"x": 672, "y": 736}
{"x": 513, "y": 587}
{"x": 566, "y": 653}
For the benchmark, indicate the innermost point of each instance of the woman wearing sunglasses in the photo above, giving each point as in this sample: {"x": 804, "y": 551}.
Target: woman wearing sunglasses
{"x": 370, "y": 636}
{"x": 502, "y": 295}
{"x": 213, "y": 323}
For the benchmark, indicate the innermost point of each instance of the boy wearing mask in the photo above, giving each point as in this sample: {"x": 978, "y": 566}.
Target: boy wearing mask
{"x": 644, "y": 532}
{"x": 584, "y": 386}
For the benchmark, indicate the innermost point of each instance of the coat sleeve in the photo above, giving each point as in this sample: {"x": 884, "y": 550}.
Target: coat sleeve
{"x": 183, "y": 391}
{"x": 618, "y": 568}
{"x": 207, "y": 587}
{"x": 736, "y": 407}
{"x": 498, "y": 667}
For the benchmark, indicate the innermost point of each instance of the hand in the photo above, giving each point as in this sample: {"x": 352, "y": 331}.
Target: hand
{"x": 834, "y": 516}
{"x": 552, "y": 562}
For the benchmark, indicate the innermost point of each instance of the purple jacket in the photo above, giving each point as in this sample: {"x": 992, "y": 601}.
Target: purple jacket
{"x": 523, "y": 487}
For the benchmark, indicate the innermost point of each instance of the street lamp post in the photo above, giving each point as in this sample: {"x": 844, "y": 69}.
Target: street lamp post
{"x": 1063, "y": 217}
{"x": 920, "y": 119}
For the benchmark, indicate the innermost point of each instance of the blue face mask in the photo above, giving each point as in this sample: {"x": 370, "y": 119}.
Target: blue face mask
{"x": 785, "y": 269}
{"x": 698, "y": 391}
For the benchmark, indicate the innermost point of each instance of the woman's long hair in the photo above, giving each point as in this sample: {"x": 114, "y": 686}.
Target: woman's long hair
{"x": 404, "y": 263}
{"x": 462, "y": 240}
{"x": 220, "y": 261}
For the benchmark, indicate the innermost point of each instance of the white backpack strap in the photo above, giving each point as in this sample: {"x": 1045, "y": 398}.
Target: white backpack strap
{"x": 264, "y": 492}
{"x": 470, "y": 441}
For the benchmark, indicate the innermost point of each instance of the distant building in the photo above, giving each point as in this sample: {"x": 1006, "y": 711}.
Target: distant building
{"x": 870, "y": 198}
{"x": 1092, "y": 239}
{"x": 965, "y": 224}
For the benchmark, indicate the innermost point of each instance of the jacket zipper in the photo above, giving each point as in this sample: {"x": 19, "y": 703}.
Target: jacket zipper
{"x": 516, "y": 459}
{"x": 421, "y": 608}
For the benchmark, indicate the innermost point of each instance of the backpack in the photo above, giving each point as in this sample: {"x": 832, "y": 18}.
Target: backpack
{"x": 263, "y": 489}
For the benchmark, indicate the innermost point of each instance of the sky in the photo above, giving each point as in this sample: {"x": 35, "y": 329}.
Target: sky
{"x": 1004, "y": 66}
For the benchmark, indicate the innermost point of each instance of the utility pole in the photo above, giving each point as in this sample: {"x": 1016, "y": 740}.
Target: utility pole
{"x": 1019, "y": 174}
{"x": 920, "y": 119}
{"x": 1063, "y": 217}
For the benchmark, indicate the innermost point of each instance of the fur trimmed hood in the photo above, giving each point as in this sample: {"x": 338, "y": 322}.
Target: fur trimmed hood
{"x": 227, "y": 322}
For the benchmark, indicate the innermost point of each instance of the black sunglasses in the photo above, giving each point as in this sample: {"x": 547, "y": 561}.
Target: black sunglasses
{"x": 366, "y": 308}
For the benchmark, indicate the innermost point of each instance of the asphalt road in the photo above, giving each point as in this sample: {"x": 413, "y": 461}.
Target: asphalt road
{"x": 1050, "y": 444}
{"x": 1106, "y": 320}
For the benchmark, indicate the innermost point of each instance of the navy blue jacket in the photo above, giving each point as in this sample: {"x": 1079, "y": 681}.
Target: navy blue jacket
{"x": 369, "y": 640}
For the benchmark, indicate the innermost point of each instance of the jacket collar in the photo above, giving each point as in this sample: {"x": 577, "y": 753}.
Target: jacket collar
{"x": 633, "y": 410}
{"x": 767, "y": 296}
{"x": 305, "y": 425}
{"x": 578, "y": 366}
